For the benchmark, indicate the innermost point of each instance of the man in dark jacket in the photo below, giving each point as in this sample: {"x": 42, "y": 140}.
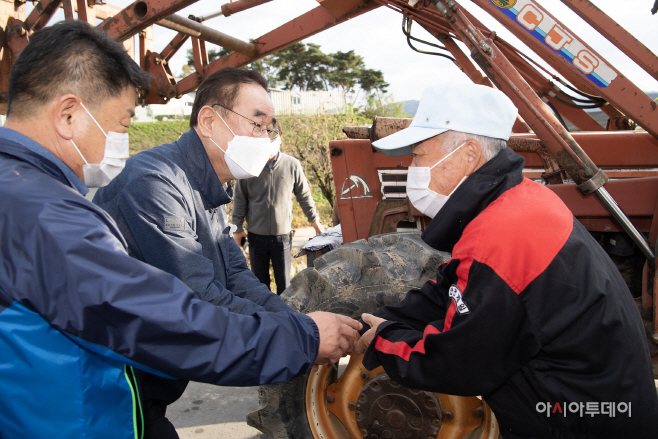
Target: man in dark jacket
{"x": 529, "y": 312}
{"x": 266, "y": 203}
{"x": 169, "y": 203}
{"x": 78, "y": 315}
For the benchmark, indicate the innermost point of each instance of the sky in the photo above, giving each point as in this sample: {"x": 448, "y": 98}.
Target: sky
{"x": 378, "y": 38}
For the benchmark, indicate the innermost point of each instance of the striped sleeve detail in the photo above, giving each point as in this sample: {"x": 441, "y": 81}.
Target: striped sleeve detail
{"x": 401, "y": 348}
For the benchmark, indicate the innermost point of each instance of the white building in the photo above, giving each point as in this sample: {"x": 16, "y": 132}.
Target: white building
{"x": 288, "y": 102}
{"x": 176, "y": 109}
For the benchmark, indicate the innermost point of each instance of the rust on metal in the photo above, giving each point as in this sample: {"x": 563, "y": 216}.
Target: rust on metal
{"x": 68, "y": 9}
{"x": 385, "y": 126}
{"x": 139, "y": 15}
{"x": 637, "y": 196}
{"x": 655, "y": 313}
{"x": 389, "y": 410}
{"x": 145, "y": 45}
{"x": 551, "y": 167}
{"x": 626, "y": 96}
{"x": 344, "y": 398}
{"x": 162, "y": 89}
{"x": 357, "y": 132}
{"x": 388, "y": 214}
{"x": 617, "y": 149}
{"x": 199, "y": 55}
{"x": 16, "y": 36}
{"x": 85, "y": 13}
{"x": 542, "y": 121}
{"x": 616, "y": 34}
{"x": 310, "y": 23}
{"x": 198, "y": 30}
{"x": 339, "y": 8}
{"x": 175, "y": 44}
{"x": 41, "y": 14}
{"x": 240, "y": 5}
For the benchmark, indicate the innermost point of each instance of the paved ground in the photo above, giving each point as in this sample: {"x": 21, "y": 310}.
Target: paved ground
{"x": 302, "y": 235}
{"x": 210, "y": 412}
{"x": 206, "y": 411}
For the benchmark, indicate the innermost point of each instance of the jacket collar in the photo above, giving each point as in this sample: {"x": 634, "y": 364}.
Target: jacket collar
{"x": 25, "y": 149}
{"x": 275, "y": 162}
{"x": 202, "y": 172}
{"x": 474, "y": 195}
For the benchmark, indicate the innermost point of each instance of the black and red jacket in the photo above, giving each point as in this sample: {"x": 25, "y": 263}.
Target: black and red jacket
{"x": 530, "y": 311}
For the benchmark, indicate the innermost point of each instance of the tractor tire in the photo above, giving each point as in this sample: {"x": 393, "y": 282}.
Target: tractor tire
{"x": 355, "y": 278}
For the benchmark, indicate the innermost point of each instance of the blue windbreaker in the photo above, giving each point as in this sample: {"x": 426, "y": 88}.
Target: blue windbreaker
{"x": 77, "y": 313}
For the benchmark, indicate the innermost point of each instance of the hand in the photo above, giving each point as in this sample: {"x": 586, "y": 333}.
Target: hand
{"x": 318, "y": 227}
{"x": 239, "y": 236}
{"x": 337, "y": 335}
{"x": 365, "y": 340}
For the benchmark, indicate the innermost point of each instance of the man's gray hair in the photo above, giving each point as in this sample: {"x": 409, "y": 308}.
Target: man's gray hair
{"x": 490, "y": 145}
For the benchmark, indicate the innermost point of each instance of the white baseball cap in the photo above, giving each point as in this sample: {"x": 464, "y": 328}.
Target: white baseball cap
{"x": 468, "y": 108}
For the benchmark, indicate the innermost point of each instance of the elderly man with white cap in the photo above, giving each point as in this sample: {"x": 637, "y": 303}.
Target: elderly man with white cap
{"x": 529, "y": 312}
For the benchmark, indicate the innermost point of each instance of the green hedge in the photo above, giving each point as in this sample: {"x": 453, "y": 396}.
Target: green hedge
{"x": 147, "y": 135}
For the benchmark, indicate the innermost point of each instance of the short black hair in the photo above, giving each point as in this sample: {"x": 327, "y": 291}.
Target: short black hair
{"x": 222, "y": 87}
{"x": 71, "y": 57}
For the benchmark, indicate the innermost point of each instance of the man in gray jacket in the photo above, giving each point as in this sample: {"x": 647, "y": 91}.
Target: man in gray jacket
{"x": 266, "y": 202}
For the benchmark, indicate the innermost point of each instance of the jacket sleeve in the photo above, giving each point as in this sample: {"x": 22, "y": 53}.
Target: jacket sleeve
{"x": 240, "y": 203}
{"x": 466, "y": 334}
{"x": 144, "y": 209}
{"x": 78, "y": 276}
{"x": 303, "y": 193}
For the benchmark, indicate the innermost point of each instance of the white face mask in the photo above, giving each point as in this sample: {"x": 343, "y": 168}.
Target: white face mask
{"x": 246, "y": 156}
{"x": 421, "y": 196}
{"x": 117, "y": 149}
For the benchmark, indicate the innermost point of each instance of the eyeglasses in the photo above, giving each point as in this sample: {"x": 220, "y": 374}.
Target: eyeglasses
{"x": 258, "y": 129}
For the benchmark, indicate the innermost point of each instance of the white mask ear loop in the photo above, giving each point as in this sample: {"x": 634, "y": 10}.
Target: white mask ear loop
{"x": 229, "y": 128}
{"x": 76, "y": 148}
{"x": 451, "y": 153}
{"x": 94, "y": 119}
{"x": 210, "y": 138}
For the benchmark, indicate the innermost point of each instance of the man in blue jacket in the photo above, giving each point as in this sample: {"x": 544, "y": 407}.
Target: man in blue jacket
{"x": 78, "y": 315}
{"x": 169, "y": 203}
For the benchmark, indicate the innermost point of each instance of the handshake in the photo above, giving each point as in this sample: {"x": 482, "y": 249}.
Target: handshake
{"x": 339, "y": 335}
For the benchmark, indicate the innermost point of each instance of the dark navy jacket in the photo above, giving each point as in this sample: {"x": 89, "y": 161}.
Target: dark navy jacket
{"x": 76, "y": 311}
{"x": 529, "y": 312}
{"x": 169, "y": 206}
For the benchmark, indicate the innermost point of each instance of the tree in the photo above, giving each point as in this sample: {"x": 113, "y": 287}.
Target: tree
{"x": 307, "y": 138}
{"x": 382, "y": 105}
{"x": 306, "y": 68}
{"x": 345, "y": 69}
{"x": 302, "y": 66}
{"x": 212, "y": 55}
{"x": 372, "y": 81}
{"x": 262, "y": 65}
